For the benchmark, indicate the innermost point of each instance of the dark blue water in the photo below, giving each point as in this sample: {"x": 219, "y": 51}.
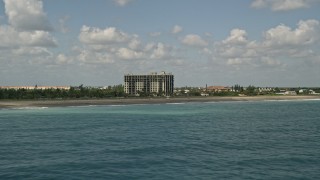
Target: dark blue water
{"x": 223, "y": 140}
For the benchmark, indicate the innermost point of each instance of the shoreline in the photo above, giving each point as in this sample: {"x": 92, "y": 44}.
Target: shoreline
{"x": 128, "y": 101}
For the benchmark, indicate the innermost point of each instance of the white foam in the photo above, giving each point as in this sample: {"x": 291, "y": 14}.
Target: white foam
{"x": 310, "y": 99}
{"x": 31, "y": 108}
{"x": 117, "y": 105}
{"x": 286, "y": 100}
{"x": 175, "y": 103}
{"x": 137, "y": 104}
{"x": 277, "y": 100}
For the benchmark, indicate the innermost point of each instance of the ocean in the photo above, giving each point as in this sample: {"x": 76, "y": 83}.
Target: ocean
{"x": 218, "y": 140}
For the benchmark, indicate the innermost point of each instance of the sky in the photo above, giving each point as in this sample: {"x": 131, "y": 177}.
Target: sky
{"x": 265, "y": 43}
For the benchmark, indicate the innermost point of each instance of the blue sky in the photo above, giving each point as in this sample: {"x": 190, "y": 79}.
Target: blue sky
{"x": 96, "y": 42}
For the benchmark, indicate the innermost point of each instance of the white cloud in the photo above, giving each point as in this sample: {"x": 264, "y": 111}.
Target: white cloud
{"x": 135, "y": 43}
{"x": 90, "y": 57}
{"x": 149, "y": 47}
{"x": 84, "y": 55}
{"x": 235, "y": 61}
{"x": 281, "y": 5}
{"x": 231, "y": 50}
{"x": 33, "y": 51}
{"x": 208, "y": 34}
{"x": 236, "y": 48}
{"x": 122, "y": 2}
{"x": 194, "y": 40}
{"x": 175, "y": 62}
{"x": 27, "y": 15}
{"x": 176, "y": 29}
{"x": 278, "y": 45}
{"x": 37, "y": 38}
{"x": 1, "y": 19}
{"x": 92, "y": 35}
{"x": 10, "y": 38}
{"x": 128, "y": 54}
{"x": 63, "y": 59}
{"x": 259, "y": 4}
{"x": 271, "y": 62}
{"x": 160, "y": 51}
{"x": 237, "y": 36}
{"x": 62, "y": 22}
{"x": 307, "y": 32}
{"x": 289, "y": 5}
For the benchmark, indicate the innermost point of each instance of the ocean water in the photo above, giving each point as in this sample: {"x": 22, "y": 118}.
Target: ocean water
{"x": 219, "y": 140}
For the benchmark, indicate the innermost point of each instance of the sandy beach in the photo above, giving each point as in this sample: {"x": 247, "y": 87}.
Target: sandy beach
{"x": 123, "y": 101}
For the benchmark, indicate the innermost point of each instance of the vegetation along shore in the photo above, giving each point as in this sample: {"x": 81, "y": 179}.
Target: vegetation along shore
{"x": 114, "y": 95}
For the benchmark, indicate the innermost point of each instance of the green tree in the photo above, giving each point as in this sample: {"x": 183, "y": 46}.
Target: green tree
{"x": 251, "y": 91}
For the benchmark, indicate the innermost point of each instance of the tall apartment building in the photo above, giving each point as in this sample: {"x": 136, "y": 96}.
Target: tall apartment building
{"x": 161, "y": 84}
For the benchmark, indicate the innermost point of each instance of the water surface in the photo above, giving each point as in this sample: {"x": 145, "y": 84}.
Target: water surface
{"x": 221, "y": 140}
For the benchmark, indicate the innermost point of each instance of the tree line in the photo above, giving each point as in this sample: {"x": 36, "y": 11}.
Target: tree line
{"x": 72, "y": 93}
{"x": 81, "y": 92}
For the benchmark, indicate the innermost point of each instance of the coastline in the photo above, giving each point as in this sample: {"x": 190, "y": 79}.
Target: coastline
{"x": 126, "y": 101}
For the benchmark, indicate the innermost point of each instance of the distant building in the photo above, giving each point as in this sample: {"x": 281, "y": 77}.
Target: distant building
{"x": 35, "y": 87}
{"x": 218, "y": 89}
{"x": 158, "y": 84}
{"x": 265, "y": 89}
{"x": 313, "y": 92}
{"x": 291, "y": 93}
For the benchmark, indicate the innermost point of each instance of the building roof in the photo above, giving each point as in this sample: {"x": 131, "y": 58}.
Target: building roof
{"x": 217, "y": 88}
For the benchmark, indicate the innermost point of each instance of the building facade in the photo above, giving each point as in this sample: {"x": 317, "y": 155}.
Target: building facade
{"x": 35, "y": 87}
{"x": 157, "y": 84}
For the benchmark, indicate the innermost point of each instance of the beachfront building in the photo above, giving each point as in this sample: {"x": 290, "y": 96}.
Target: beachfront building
{"x": 156, "y": 84}
{"x": 35, "y": 87}
{"x": 291, "y": 93}
{"x": 218, "y": 89}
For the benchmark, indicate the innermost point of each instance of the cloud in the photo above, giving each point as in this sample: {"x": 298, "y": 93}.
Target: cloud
{"x": 176, "y": 29}
{"x": 115, "y": 45}
{"x": 237, "y": 36}
{"x": 194, "y": 40}
{"x": 10, "y": 38}
{"x": 63, "y": 59}
{"x": 93, "y": 35}
{"x": 37, "y": 38}
{"x": 267, "y": 61}
{"x": 122, "y": 2}
{"x": 307, "y": 32}
{"x": 28, "y": 27}
{"x": 284, "y": 42}
{"x": 91, "y": 57}
{"x": 281, "y": 5}
{"x": 277, "y": 46}
{"x": 160, "y": 51}
{"x": 27, "y": 15}
{"x": 259, "y": 4}
{"x": 62, "y": 23}
{"x": 128, "y": 54}
{"x": 236, "y": 61}
{"x": 32, "y": 51}
{"x": 135, "y": 43}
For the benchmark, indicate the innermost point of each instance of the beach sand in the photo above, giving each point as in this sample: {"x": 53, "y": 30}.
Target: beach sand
{"x": 124, "y": 101}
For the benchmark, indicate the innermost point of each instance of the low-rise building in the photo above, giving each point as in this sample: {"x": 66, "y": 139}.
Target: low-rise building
{"x": 291, "y": 93}
{"x": 35, "y": 87}
{"x": 265, "y": 89}
{"x": 218, "y": 89}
